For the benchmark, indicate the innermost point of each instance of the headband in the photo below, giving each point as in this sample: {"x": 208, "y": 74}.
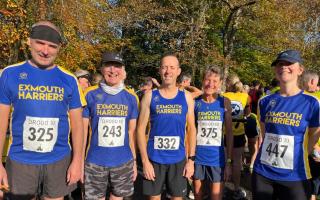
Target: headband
{"x": 43, "y": 32}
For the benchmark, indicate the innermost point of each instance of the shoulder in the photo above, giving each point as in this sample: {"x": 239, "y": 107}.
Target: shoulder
{"x": 13, "y": 67}
{"x": 132, "y": 95}
{"x": 90, "y": 89}
{"x": 67, "y": 73}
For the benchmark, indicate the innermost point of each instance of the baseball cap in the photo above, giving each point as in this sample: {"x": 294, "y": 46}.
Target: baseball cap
{"x": 112, "y": 57}
{"x": 291, "y": 56}
{"x": 81, "y": 73}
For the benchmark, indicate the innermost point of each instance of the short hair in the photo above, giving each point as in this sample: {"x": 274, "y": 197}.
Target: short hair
{"x": 167, "y": 55}
{"x": 256, "y": 83}
{"x": 237, "y": 87}
{"x": 212, "y": 70}
{"x": 308, "y": 76}
{"x": 184, "y": 76}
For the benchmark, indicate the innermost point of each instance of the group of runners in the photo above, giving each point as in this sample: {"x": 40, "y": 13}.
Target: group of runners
{"x": 178, "y": 137}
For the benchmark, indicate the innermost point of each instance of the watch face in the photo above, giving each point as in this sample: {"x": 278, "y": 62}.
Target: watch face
{"x": 193, "y": 158}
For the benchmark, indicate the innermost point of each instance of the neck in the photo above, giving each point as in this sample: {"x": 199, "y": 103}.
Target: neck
{"x": 289, "y": 89}
{"x": 37, "y": 65}
{"x": 209, "y": 98}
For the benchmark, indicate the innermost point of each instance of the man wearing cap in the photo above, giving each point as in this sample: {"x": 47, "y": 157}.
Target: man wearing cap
{"x": 84, "y": 78}
{"x": 44, "y": 97}
{"x": 112, "y": 112}
{"x": 170, "y": 109}
{"x": 290, "y": 124}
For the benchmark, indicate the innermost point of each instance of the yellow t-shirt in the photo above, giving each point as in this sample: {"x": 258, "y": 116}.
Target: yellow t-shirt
{"x": 239, "y": 101}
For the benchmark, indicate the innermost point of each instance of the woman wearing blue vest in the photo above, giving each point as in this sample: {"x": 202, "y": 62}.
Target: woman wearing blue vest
{"x": 211, "y": 112}
{"x": 289, "y": 122}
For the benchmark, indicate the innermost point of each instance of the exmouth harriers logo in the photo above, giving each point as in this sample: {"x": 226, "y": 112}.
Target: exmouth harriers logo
{"x": 23, "y": 75}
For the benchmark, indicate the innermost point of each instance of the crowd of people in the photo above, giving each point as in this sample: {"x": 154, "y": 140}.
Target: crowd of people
{"x": 68, "y": 129}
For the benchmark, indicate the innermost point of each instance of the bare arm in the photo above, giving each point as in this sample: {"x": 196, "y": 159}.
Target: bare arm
{"x": 4, "y": 117}
{"x": 314, "y": 134}
{"x": 141, "y": 135}
{"x": 132, "y": 143}
{"x": 189, "y": 167}
{"x": 195, "y": 92}
{"x": 228, "y": 127}
{"x": 74, "y": 171}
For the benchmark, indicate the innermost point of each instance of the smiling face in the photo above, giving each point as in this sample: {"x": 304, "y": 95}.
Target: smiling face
{"x": 43, "y": 52}
{"x": 113, "y": 73}
{"x": 169, "y": 70}
{"x": 211, "y": 83}
{"x": 287, "y": 72}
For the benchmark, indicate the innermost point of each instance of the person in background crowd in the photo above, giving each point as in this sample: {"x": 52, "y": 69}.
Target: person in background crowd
{"x": 184, "y": 82}
{"x": 240, "y": 109}
{"x": 84, "y": 78}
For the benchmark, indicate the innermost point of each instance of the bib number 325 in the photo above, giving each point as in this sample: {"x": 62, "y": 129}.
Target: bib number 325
{"x": 40, "y": 134}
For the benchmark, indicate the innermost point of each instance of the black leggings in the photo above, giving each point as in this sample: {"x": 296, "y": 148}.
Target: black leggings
{"x": 266, "y": 189}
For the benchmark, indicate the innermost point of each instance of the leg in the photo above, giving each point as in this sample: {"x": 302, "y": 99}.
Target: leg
{"x": 295, "y": 190}
{"x": 23, "y": 180}
{"x": 96, "y": 182}
{"x": 121, "y": 181}
{"x": 153, "y": 189}
{"x": 262, "y": 188}
{"x": 158, "y": 197}
{"x": 236, "y": 166}
{"x": 198, "y": 186}
{"x": 216, "y": 191}
{"x": 54, "y": 183}
{"x": 175, "y": 182}
{"x": 253, "y": 149}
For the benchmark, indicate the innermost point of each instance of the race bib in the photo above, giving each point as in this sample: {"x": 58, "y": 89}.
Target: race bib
{"x": 111, "y": 131}
{"x": 166, "y": 142}
{"x": 278, "y": 150}
{"x": 40, "y": 134}
{"x": 209, "y": 133}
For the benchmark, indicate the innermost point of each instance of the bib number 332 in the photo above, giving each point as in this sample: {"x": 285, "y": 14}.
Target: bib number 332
{"x": 166, "y": 142}
{"x": 277, "y": 151}
{"x": 40, "y": 134}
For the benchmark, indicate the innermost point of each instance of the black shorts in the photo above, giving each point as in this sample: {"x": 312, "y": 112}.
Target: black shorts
{"x": 239, "y": 141}
{"x": 265, "y": 189}
{"x": 209, "y": 173}
{"x": 169, "y": 174}
{"x": 251, "y": 128}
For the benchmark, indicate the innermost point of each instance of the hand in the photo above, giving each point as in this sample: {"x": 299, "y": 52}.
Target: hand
{"x": 148, "y": 171}
{"x": 74, "y": 173}
{"x": 3, "y": 179}
{"x": 188, "y": 169}
{"x": 135, "y": 171}
{"x": 82, "y": 173}
{"x": 227, "y": 172}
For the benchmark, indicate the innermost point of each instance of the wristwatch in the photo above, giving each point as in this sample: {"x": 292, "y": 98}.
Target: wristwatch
{"x": 193, "y": 158}
{"x": 229, "y": 161}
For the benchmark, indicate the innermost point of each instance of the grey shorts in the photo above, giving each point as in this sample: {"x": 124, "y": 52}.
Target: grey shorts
{"x": 48, "y": 180}
{"x": 97, "y": 179}
{"x": 209, "y": 173}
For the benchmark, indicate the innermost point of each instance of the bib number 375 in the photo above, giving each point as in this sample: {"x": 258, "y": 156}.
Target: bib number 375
{"x": 40, "y": 134}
